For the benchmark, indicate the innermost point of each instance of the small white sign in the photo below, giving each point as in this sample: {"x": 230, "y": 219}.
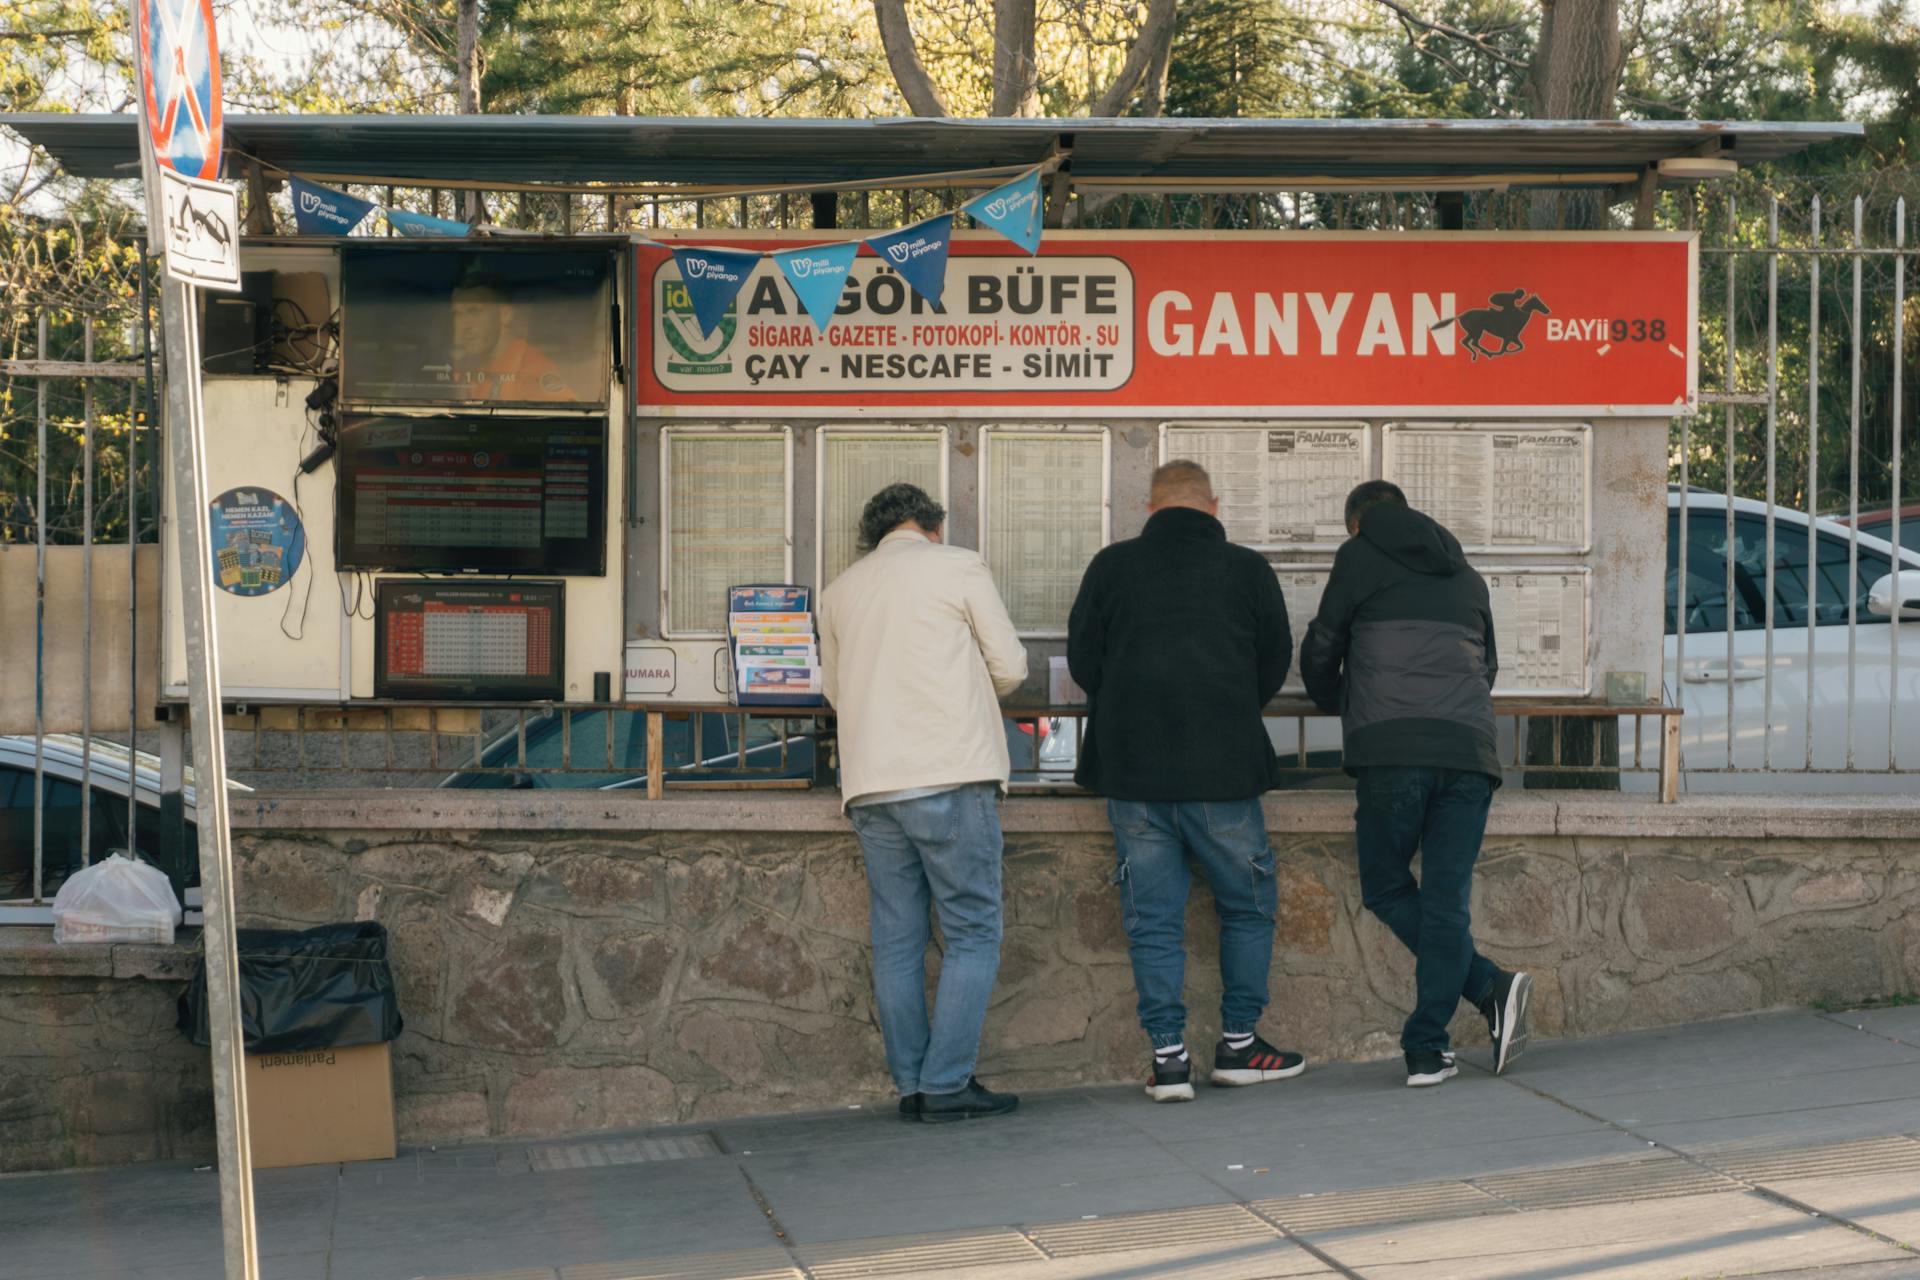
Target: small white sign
{"x": 653, "y": 671}
{"x": 200, "y": 231}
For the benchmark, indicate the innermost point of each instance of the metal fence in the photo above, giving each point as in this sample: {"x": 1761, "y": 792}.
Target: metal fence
{"x": 1774, "y": 651}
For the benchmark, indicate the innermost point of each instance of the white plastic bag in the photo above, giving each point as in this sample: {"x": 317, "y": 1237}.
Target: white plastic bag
{"x": 118, "y": 900}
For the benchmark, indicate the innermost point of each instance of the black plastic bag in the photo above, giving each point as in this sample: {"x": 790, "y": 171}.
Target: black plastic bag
{"x": 324, "y": 988}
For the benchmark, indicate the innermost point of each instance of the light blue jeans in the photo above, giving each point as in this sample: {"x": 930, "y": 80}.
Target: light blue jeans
{"x": 941, "y": 851}
{"x": 1228, "y": 841}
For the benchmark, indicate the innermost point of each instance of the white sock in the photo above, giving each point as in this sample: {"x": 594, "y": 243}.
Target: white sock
{"x": 1238, "y": 1040}
{"x": 1170, "y": 1052}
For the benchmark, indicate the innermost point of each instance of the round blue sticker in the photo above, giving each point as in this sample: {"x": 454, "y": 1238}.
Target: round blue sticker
{"x": 257, "y": 541}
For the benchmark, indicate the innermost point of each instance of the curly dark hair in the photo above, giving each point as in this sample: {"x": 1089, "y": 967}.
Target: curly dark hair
{"x": 894, "y": 505}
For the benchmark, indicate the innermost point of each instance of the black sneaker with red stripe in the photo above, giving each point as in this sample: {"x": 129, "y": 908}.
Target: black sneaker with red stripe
{"x": 1257, "y": 1063}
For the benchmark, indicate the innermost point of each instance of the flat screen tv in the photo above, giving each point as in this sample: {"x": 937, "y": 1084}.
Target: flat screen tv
{"x": 506, "y": 327}
{"x": 469, "y": 639}
{"x": 490, "y": 495}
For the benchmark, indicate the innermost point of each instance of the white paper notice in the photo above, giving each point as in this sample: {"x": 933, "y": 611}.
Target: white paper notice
{"x": 726, "y": 522}
{"x": 1301, "y": 589}
{"x": 1045, "y": 517}
{"x": 1497, "y": 488}
{"x": 1540, "y": 627}
{"x": 855, "y": 465}
{"x": 1278, "y": 486}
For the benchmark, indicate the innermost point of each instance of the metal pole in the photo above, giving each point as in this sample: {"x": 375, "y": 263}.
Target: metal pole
{"x": 186, "y": 439}
{"x": 1813, "y": 464}
{"x": 1773, "y": 393}
{"x": 86, "y": 597}
{"x": 40, "y": 623}
{"x": 1899, "y": 497}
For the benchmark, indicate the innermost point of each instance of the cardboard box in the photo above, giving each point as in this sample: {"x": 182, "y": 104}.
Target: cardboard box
{"x": 320, "y": 1106}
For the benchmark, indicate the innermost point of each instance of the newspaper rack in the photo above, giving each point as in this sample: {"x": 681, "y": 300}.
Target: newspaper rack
{"x": 761, "y": 597}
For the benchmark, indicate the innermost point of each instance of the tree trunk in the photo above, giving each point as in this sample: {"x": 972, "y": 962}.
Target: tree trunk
{"x": 1016, "y": 78}
{"x": 471, "y": 207}
{"x": 896, "y": 37}
{"x": 1575, "y": 76}
{"x": 1156, "y": 34}
{"x": 1153, "y": 93}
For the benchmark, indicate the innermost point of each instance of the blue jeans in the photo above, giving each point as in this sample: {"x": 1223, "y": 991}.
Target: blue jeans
{"x": 1228, "y": 839}
{"x": 940, "y": 850}
{"x": 1442, "y": 813}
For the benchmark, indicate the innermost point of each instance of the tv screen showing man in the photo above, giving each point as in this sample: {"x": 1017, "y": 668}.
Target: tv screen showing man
{"x": 494, "y": 327}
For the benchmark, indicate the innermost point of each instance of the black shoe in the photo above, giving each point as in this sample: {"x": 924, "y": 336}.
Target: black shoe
{"x": 1505, "y": 1010}
{"x": 971, "y": 1103}
{"x": 1255, "y": 1064}
{"x": 910, "y": 1105}
{"x": 1172, "y": 1079}
{"x": 1429, "y": 1066}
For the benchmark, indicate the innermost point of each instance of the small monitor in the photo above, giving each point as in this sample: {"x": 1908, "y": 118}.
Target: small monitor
{"x": 492, "y": 495}
{"x": 500, "y": 327}
{"x": 469, "y": 640}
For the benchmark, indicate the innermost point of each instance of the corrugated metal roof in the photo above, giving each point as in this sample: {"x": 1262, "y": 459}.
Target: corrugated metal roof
{"x": 582, "y": 149}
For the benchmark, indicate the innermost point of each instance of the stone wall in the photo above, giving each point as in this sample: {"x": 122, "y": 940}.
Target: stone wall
{"x": 561, "y": 972}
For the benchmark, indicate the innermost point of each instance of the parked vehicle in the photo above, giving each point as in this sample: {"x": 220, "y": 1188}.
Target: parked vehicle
{"x": 60, "y": 813}
{"x": 1839, "y": 659}
{"x": 1880, "y": 524}
{"x": 719, "y": 754}
{"x": 580, "y": 746}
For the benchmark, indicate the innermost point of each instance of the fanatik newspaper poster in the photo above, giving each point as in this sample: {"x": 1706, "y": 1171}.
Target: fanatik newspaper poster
{"x": 1284, "y": 324}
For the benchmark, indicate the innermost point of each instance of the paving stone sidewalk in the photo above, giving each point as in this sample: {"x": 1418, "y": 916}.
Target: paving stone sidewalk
{"x": 1781, "y": 1144}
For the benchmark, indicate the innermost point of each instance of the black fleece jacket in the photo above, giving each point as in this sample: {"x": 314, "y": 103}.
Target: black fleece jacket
{"x": 1403, "y": 648}
{"x": 1180, "y": 638}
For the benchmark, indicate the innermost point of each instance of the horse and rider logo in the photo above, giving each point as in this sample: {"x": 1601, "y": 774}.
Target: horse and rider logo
{"x": 1505, "y": 319}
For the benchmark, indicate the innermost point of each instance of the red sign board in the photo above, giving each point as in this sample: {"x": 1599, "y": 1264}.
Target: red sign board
{"x": 1282, "y": 324}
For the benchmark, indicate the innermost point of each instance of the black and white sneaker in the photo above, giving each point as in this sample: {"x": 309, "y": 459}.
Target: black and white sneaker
{"x": 1505, "y": 1010}
{"x": 1255, "y": 1063}
{"x": 1429, "y": 1067}
{"x": 1172, "y": 1079}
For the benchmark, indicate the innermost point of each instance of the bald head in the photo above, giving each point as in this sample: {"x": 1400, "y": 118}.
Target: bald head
{"x": 1182, "y": 484}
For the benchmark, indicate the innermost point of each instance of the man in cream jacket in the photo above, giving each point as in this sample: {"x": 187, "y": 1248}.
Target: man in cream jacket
{"x": 916, "y": 650}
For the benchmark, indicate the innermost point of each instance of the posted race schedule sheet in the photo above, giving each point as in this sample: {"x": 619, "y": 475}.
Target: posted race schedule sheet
{"x": 1497, "y": 488}
{"x": 1279, "y": 487}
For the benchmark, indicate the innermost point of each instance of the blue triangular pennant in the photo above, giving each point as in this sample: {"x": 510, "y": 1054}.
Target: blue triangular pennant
{"x": 322, "y": 211}
{"x": 712, "y": 277}
{"x": 919, "y": 254}
{"x": 419, "y": 224}
{"x": 1012, "y": 210}
{"x": 818, "y": 273}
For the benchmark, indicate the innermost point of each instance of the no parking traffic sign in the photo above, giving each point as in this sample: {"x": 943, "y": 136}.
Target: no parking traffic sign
{"x": 193, "y": 218}
{"x": 179, "y": 56}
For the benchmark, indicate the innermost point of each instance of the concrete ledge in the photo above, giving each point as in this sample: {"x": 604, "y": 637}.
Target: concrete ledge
{"x": 1515, "y": 813}
{"x": 31, "y": 952}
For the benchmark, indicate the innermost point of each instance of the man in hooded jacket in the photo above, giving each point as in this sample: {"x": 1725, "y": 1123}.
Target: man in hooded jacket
{"x": 1403, "y": 649}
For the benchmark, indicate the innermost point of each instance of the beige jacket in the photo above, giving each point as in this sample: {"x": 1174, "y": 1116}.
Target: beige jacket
{"x": 915, "y": 645}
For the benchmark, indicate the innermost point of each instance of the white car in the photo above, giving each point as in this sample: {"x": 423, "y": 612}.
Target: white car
{"x": 1854, "y": 690}
{"x": 60, "y": 814}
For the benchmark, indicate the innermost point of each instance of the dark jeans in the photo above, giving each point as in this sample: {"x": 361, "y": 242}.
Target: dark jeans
{"x": 1228, "y": 841}
{"x": 1441, "y": 814}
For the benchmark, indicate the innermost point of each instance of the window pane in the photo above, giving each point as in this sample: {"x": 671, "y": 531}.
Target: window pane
{"x": 1820, "y": 599}
{"x": 1699, "y": 590}
{"x": 856, "y": 465}
{"x": 1043, "y": 517}
{"x": 726, "y": 523}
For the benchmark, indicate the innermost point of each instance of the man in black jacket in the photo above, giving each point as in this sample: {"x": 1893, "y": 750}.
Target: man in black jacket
{"x": 1180, "y": 638}
{"x": 1403, "y": 649}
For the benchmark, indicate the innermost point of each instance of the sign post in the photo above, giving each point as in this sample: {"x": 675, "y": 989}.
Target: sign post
{"x": 191, "y": 219}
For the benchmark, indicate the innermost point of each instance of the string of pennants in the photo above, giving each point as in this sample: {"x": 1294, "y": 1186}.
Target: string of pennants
{"x": 713, "y": 275}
